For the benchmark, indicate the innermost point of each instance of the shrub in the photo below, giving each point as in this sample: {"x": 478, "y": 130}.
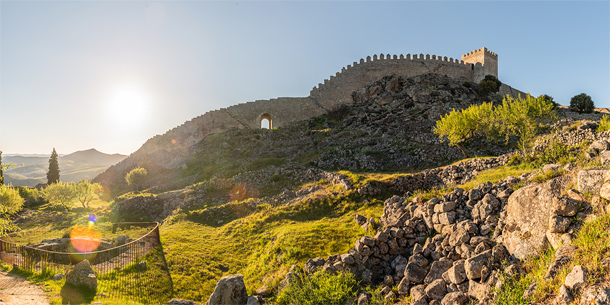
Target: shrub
{"x": 10, "y": 200}
{"x": 604, "y": 124}
{"x": 490, "y": 84}
{"x": 319, "y": 288}
{"x": 136, "y": 177}
{"x": 582, "y": 103}
{"x": 60, "y": 194}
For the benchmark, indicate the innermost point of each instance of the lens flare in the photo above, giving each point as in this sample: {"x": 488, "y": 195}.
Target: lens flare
{"x": 92, "y": 220}
{"x": 238, "y": 192}
{"x": 85, "y": 239}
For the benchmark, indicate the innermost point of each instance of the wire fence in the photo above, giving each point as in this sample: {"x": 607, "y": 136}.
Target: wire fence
{"x": 126, "y": 269}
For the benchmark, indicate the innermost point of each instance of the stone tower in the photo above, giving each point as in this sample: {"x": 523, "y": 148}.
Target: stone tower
{"x": 485, "y": 63}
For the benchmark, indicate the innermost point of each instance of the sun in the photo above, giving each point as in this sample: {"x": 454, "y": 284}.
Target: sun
{"x": 127, "y": 107}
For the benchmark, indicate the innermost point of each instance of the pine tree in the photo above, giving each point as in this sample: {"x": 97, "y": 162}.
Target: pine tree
{"x": 53, "y": 173}
{"x": 1, "y": 170}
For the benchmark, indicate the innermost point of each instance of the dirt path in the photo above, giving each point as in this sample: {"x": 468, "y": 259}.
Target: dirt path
{"x": 17, "y": 290}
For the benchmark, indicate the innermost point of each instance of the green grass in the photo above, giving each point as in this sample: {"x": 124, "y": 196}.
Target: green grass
{"x": 593, "y": 242}
{"x": 263, "y": 245}
{"x": 319, "y": 288}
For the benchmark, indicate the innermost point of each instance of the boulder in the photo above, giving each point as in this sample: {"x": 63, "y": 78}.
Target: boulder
{"x": 604, "y": 157}
{"x": 604, "y": 191}
{"x": 457, "y": 274}
{"x": 455, "y": 298}
{"x": 474, "y": 265}
{"x": 598, "y": 146}
{"x": 176, "y": 301}
{"x": 82, "y": 276}
{"x": 527, "y": 215}
{"x": 558, "y": 224}
{"x": 564, "y": 297}
{"x": 436, "y": 290}
{"x": 437, "y": 269}
{"x": 565, "y": 206}
{"x": 478, "y": 290}
{"x": 590, "y": 180}
{"x": 595, "y": 295}
{"x": 576, "y": 279}
{"x": 230, "y": 290}
{"x": 415, "y": 273}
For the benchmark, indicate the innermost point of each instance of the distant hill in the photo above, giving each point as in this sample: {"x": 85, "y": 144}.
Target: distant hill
{"x": 80, "y": 165}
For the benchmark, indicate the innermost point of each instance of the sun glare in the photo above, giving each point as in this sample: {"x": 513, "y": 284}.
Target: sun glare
{"x": 127, "y": 107}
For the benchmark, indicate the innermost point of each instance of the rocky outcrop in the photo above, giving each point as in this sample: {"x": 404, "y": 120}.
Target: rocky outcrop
{"x": 230, "y": 290}
{"x": 82, "y": 276}
{"x": 526, "y": 220}
{"x": 461, "y": 260}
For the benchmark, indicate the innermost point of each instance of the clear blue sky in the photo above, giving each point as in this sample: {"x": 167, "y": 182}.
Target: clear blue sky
{"x": 68, "y": 68}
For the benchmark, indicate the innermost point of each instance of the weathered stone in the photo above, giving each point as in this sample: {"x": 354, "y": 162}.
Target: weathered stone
{"x": 58, "y": 277}
{"x": 558, "y": 224}
{"x": 499, "y": 254}
{"x": 436, "y": 290}
{"x": 478, "y": 290}
{"x": 590, "y": 180}
{"x": 565, "y": 206}
{"x": 176, "y": 301}
{"x": 252, "y": 300}
{"x": 415, "y": 273}
{"x": 457, "y": 274}
{"x": 455, "y": 298}
{"x": 595, "y": 295}
{"x": 419, "y": 259}
{"x": 564, "y": 297}
{"x": 363, "y": 299}
{"x": 527, "y": 215}
{"x": 390, "y": 296}
{"x": 382, "y": 236}
{"x": 458, "y": 237}
{"x": 598, "y": 146}
{"x": 474, "y": 265}
{"x": 347, "y": 259}
{"x": 82, "y": 276}
{"x": 437, "y": 269}
{"x": 551, "y": 167}
{"x": 444, "y": 207}
{"x": 604, "y": 158}
{"x": 230, "y": 290}
{"x": 447, "y": 218}
{"x": 604, "y": 191}
{"x": 576, "y": 279}
{"x": 418, "y": 295}
{"x": 475, "y": 194}
{"x": 404, "y": 286}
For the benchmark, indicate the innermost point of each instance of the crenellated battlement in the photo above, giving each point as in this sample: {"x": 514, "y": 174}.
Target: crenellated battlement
{"x": 395, "y": 59}
{"x": 481, "y": 51}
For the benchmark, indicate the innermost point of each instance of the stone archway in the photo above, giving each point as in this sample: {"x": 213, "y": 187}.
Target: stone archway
{"x": 265, "y": 121}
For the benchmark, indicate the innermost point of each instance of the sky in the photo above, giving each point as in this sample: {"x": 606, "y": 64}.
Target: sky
{"x": 109, "y": 75}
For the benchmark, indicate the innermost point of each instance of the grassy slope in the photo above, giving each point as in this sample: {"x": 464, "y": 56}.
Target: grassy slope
{"x": 261, "y": 246}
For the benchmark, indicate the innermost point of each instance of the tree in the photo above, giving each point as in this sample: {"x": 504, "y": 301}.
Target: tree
{"x": 523, "y": 117}
{"x": 582, "y": 103}
{"x": 136, "y": 177}
{"x": 86, "y": 191}
{"x": 461, "y": 126}
{"x": 550, "y": 99}
{"x": 490, "y": 84}
{"x": 10, "y": 203}
{"x": 60, "y": 194}
{"x": 53, "y": 173}
{"x": 1, "y": 170}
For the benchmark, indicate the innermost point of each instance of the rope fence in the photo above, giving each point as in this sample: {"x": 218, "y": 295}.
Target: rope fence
{"x": 134, "y": 271}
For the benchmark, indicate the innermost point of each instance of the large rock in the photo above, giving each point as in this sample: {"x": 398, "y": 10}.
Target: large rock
{"x": 474, "y": 265}
{"x": 437, "y": 269}
{"x": 527, "y": 215}
{"x": 591, "y": 180}
{"x": 577, "y": 278}
{"x": 595, "y": 295}
{"x": 565, "y": 206}
{"x": 436, "y": 290}
{"x": 559, "y": 224}
{"x": 455, "y": 298}
{"x": 230, "y": 290}
{"x": 82, "y": 276}
{"x": 415, "y": 273}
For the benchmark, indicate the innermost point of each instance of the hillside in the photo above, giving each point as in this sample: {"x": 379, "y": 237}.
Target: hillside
{"x": 80, "y": 165}
{"x": 367, "y": 194}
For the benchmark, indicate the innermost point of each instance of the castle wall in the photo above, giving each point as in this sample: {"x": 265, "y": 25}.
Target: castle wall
{"x": 282, "y": 111}
{"x": 337, "y": 90}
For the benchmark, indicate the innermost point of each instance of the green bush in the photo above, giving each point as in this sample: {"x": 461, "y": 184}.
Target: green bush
{"x": 136, "y": 177}
{"x": 582, "y": 103}
{"x": 10, "y": 200}
{"x": 604, "y": 124}
{"x": 490, "y": 84}
{"x": 319, "y": 288}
